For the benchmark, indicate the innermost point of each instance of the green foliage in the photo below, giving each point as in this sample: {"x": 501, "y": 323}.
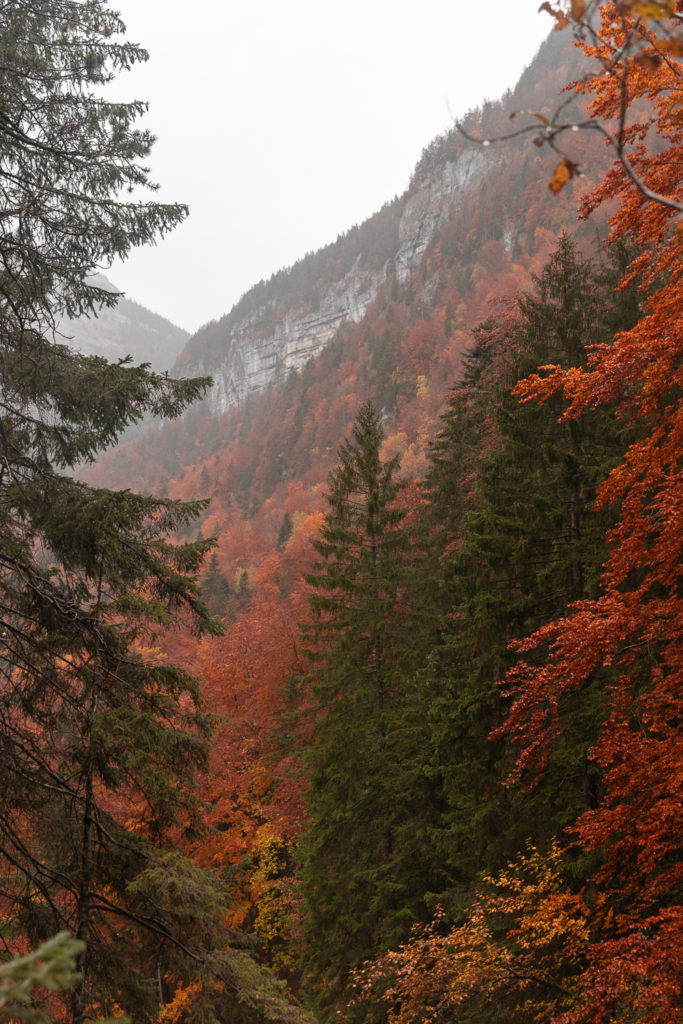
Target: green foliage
{"x": 216, "y": 589}
{"x": 52, "y": 967}
{"x": 285, "y": 532}
{"x": 100, "y": 738}
{"x": 363, "y": 850}
{"x": 512, "y": 490}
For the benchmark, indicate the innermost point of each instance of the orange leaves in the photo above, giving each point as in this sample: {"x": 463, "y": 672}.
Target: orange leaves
{"x": 575, "y": 11}
{"x": 561, "y": 19}
{"x": 630, "y": 636}
{"x": 518, "y": 947}
{"x": 564, "y": 172}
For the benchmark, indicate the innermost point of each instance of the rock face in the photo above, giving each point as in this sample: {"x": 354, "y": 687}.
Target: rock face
{"x": 273, "y": 330}
{"x": 254, "y": 357}
{"x": 432, "y": 202}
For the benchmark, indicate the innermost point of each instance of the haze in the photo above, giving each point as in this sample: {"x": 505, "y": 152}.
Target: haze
{"x": 282, "y": 125}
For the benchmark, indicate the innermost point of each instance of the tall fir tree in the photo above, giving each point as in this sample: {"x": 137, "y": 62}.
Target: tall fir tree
{"x": 512, "y": 493}
{"x": 99, "y": 736}
{"x": 363, "y": 869}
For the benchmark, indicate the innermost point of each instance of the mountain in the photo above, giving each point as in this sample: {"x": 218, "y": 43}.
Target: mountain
{"x": 449, "y": 286}
{"x": 127, "y": 329}
{"x": 280, "y": 324}
{"x": 385, "y": 312}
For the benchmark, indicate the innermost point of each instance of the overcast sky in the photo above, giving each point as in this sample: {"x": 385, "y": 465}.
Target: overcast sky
{"x": 281, "y": 123}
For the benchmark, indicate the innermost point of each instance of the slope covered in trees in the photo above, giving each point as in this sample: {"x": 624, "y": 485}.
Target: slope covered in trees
{"x": 406, "y": 350}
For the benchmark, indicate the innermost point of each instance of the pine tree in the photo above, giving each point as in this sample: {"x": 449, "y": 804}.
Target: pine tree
{"x": 99, "y": 736}
{"x": 525, "y": 542}
{"x": 363, "y": 851}
{"x": 216, "y": 587}
{"x": 285, "y": 532}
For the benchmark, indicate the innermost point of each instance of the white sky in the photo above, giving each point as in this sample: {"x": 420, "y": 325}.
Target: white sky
{"x": 281, "y": 123}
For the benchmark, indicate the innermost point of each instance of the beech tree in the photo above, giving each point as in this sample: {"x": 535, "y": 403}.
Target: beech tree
{"x": 513, "y": 958}
{"x": 634, "y": 626}
{"x": 629, "y": 43}
{"x": 99, "y": 736}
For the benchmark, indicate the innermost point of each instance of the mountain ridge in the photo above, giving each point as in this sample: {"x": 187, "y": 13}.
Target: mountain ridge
{"x": 278, "y": 325}
{"x": 127, "y": 329}
{"x": 406, "y": 349}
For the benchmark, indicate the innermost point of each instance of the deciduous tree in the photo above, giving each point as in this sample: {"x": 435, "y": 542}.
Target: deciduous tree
{"x": 514, "y": 958}
{"x": 635, "y": 626}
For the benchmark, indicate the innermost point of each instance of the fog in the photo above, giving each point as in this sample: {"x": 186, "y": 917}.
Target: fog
{"x": 283, "y": 124}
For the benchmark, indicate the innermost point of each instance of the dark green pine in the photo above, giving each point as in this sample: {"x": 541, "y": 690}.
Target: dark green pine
{"x": 216, "y": 589}
{"x": 522, "y": 541}
{"x": 365, "y": 846}
{"x": 100, "y": 737}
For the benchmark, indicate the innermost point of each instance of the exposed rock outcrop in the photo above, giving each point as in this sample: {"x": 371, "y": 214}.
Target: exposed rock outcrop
{"x": 249, "y": 349}
{"x": 254, "y": 357}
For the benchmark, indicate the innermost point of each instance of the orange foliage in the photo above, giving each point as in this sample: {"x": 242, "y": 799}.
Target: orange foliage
{"x": 521, "y": 944}
{"x": 635, "y": 630}
{"x": 252, "y": 781}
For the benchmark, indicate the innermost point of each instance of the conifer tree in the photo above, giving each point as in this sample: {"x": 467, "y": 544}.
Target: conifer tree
{"x": 525, "y": 542}
{"x": 216, "y": 587}
{"x": 99, "y": 736}
{"x": 363, "y": 851}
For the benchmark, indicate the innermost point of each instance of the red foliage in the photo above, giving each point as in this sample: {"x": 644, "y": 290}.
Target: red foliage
{"x": 633, "y": 631}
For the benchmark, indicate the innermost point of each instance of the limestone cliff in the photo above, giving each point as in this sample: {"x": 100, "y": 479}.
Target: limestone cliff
{"x": 282, "y": 323}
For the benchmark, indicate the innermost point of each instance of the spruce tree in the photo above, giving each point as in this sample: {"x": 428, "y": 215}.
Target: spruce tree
{"x": 364, "y": 847}
{"x": 216, "y": 587}
{"x": 99, "y": 736}
{"x": 522, "y": 542}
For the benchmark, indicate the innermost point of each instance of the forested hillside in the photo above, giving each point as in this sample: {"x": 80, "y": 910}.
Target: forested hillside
{"x": 412, "y": 753}
{"x": 128, "y": 329}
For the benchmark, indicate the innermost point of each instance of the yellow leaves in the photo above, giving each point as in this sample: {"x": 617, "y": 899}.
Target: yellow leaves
{"x": 521, "y": 941}
{"x": 649, "y": 10}
{"x": 564, "y": 172}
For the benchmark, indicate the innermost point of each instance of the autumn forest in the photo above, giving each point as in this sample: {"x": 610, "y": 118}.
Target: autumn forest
{"x": 359, "y": 699}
